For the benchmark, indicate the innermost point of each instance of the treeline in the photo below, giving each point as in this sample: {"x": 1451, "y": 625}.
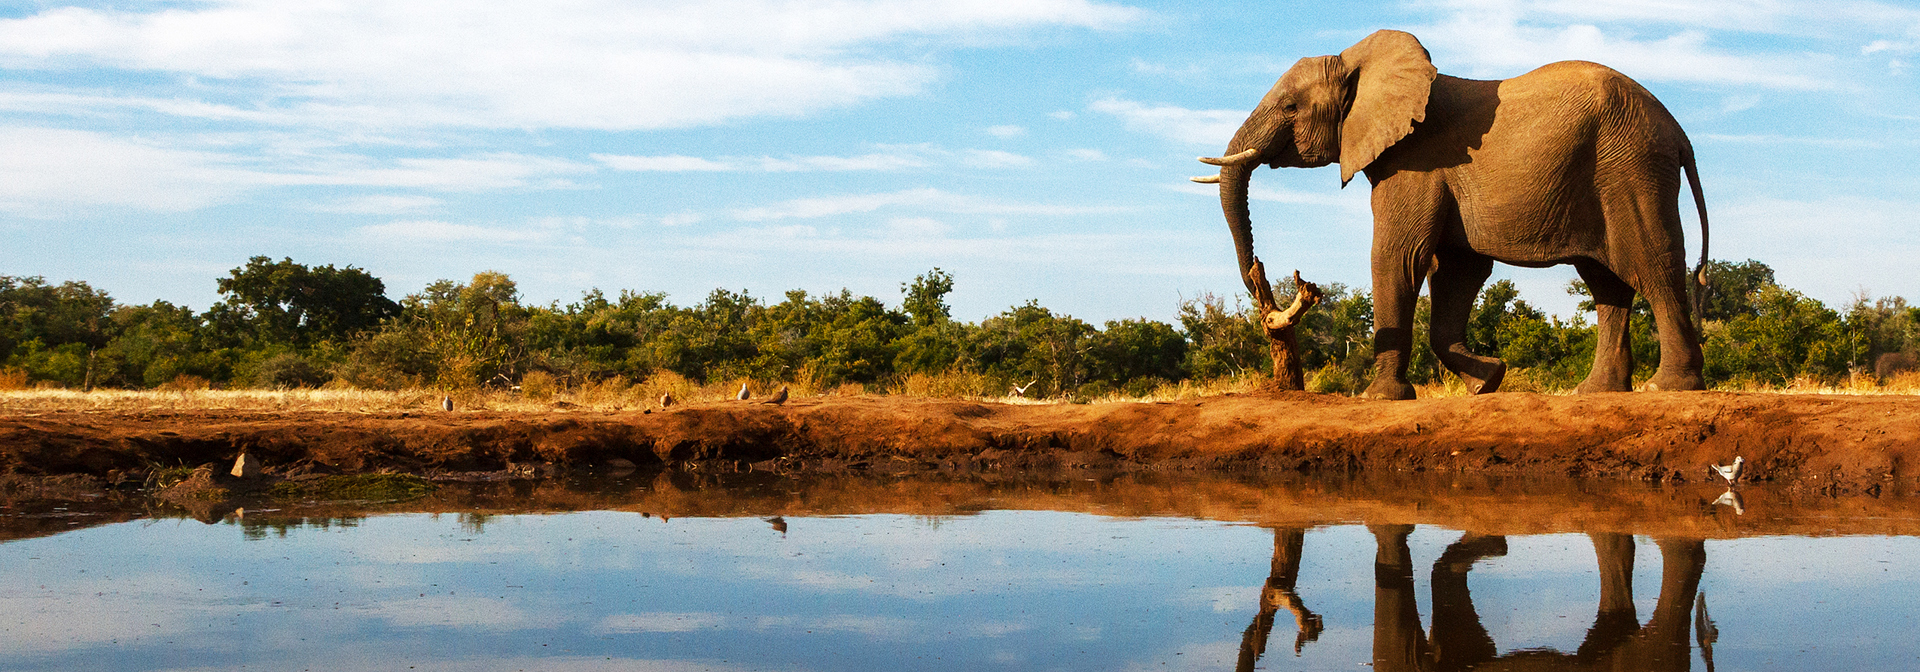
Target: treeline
{"x": 284, "y": 324}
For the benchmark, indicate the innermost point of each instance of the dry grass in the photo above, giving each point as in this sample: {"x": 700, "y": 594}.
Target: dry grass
{"x": 617, "y": 394}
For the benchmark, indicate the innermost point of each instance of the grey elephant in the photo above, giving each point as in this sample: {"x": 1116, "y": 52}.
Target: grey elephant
{"x": 1572, "y": 163}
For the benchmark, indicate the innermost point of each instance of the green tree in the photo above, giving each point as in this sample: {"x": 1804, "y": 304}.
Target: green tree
{"x": 159, "y": 342}
{"x": 1136, "y": 355}
{"x": 1221, "y": 342}
{"x": 285, "y": 303}
{"x": 53, "y": 331}
{"x": 1731, "y": 288}
{"x": 1787, "y": 336}
{"x": 926, "y": 298}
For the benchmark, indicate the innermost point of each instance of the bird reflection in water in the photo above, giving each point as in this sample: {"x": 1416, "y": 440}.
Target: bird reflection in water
{"x": 1458, "y": 641}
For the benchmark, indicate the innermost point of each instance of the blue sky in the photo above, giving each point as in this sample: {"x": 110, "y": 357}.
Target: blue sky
{"x": 1036, "y": 150}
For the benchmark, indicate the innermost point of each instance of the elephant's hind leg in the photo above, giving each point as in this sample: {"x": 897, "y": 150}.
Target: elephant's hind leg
{"x": 1612, "y": 352}
{"x": 1457, "y": 278}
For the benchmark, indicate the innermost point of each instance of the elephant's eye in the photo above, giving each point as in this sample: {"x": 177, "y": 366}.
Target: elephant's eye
{"x": 1290, "y": 108}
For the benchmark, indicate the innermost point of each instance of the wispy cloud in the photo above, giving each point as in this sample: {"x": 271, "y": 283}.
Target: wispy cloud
{"x": 769, "y": 164}
{"x": 434, "y": 231}
{"x": 47, "y": 172}
{"x": 1198, "y": 127}
{"x": 379, "y": 204}
{"x": 895, "y": 157}
{"x": 53, "y": 172}
{"x": 1664, "y": 40}
{"x": 934, "y": 200}
{"x": 598, "y": 64}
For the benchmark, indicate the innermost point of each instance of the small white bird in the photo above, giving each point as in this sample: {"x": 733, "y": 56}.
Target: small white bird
{"x": 743, "y": 394}
{"x": 1731, "y": 498}
{"x": 1021, "y": 390}
{"x": 778, "y": 398}
{"x": 1730, "y": 472}
{"x": 666, "y": 399}
{"x": 446, "y": 403}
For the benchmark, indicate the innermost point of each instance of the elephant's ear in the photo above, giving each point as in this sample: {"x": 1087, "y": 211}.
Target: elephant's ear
{"x": 1390, "y": 75}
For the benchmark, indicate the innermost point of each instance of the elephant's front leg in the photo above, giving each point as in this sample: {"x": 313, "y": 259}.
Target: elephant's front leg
{"x": 1399, "y": 267}
{"x": 1396, "y": 285}
{"x": 1457, "y": 277}
{"x": 1408, "y": 208}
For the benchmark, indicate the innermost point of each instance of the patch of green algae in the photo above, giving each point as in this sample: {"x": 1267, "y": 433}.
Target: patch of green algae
{"x": 372, "y": 487}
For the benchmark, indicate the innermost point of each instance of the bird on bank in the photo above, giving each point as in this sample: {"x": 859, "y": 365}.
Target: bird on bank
{"x": 743, "y": 394}
{"x": 666, "y": 399}
{"x": 1021, "y": 390}
{"x": 778, "y": 398}
{"x": 1730, "y": 472}
{"x": 446, "y": 403}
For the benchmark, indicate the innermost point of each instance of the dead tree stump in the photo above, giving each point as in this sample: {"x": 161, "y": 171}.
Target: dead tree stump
{"x": 1280, "y": 324}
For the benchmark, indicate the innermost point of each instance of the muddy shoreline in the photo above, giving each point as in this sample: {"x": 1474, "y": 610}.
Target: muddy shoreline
{"x": 1827, "y": 444}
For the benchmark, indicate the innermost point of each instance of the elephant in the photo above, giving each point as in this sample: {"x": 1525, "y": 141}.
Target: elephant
{"x": 1572, "y": 163}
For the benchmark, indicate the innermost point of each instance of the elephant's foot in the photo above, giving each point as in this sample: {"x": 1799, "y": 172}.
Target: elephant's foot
{"x": 1670, "y": 381}
{"x": 1471, "y": 547}
{"x": 1600, "y": 381}
{"x": 1484, "y": 378}
{"x": 1385, "y": 387}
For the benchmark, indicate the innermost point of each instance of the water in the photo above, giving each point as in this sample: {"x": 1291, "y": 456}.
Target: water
{"x": 865, "y": 574}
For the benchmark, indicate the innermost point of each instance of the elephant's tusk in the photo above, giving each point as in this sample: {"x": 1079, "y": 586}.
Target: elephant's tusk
{"x": 1231, "y": 160}
{"x": 1206, "y": 179}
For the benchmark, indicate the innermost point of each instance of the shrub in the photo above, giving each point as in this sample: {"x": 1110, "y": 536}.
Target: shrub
{"x": 288, "y": 371}
{"x": 538, "y": 385}
{"x": 185, "y": 382}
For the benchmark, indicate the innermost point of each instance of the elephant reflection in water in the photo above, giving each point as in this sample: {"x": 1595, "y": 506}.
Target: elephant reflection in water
{"x": 1458, "y": 641}
{"x": 1616, "y": 640}
{"x": 1279, "y": 592}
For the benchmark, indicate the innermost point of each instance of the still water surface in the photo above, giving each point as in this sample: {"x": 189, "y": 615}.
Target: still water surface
{"x": 989, "y": 590}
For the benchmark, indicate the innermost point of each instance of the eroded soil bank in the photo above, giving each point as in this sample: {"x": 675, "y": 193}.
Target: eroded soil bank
{"x": 1831, "y": 444}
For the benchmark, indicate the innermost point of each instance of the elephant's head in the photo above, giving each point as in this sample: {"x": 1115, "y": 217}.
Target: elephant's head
{"x": 1347, "y": 108}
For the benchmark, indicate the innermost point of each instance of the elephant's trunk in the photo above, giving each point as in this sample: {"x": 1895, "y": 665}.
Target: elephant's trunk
{"x": 1233, "y": 203}
{"x": 1244, "y": 153}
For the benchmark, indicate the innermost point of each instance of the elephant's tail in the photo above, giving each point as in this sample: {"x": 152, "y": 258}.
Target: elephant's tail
{"x": 1699, "y": 203}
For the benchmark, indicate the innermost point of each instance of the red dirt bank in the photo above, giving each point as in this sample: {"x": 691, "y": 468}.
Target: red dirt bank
{"x": 1831, "y": 443}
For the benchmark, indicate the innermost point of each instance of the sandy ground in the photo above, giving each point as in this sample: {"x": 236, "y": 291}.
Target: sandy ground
{"x": 1830, "y": 444}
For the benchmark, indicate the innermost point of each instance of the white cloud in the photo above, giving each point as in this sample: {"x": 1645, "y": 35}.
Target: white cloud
{"x": 620, "y": 624}
{"x": 47, "y": 172}
{"x": 1488, "y": 46}
{"x": 681, "y": 219}
{"x": 1198, "y": 127}
{"x": 433, "y": 231}
{"x": 600, "y": 64}
{"x": 672, "y": 163}
{"x": 471, "y": 173}
{"x": 1665, "y": 40}
{"x": 926, "y": 199}
{"x": 927, "y": 227}
{"x": 50, "y": 172}
{"x": 993, "y": 158}
{"x": 1086, "y": 154}
{"x": 379, "y": 204}
{"x": 1006, "y": 131}
{"x": 895, "y": 157}
{"x": 1878, "y": 46}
